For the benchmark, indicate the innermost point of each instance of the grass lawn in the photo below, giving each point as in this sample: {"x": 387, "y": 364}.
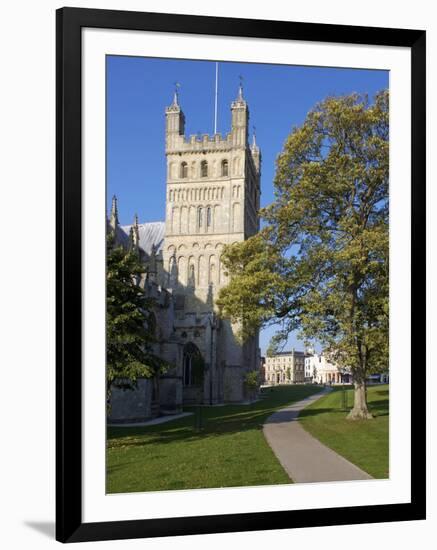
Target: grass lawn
{"x": 230, "y": 451}
{"x": 363, "y": 442}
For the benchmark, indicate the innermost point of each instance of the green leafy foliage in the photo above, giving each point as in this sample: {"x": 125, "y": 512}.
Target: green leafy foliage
{"x": 320, "y": 263}
{"x": 129, "y": 321}
{"x": 252, "y": 380}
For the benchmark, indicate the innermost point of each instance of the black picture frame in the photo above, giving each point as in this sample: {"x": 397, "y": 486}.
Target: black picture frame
{"x": 69, "y": 24}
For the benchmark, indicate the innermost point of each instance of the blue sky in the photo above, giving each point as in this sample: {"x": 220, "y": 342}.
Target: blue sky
{"x": 139, "y": 89}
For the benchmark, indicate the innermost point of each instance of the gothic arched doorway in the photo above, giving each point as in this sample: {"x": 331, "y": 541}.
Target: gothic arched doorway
{"x": 193, "y": 374}
{"x": 193, "y": 365}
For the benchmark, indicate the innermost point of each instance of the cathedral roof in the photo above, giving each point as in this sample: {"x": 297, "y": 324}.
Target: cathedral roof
{"x": 151, "y": 234}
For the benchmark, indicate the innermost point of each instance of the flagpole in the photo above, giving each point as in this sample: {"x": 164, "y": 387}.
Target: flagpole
{"x": 216, "y": 94}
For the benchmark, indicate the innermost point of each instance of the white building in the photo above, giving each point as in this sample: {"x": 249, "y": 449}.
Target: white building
{"x": 321, "y": 371}
{"x": 287, "y": 367}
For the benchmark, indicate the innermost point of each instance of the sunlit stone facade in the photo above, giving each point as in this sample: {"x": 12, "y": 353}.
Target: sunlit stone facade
{"x": 212, "y": 199}
{"x": 287, "y": 367}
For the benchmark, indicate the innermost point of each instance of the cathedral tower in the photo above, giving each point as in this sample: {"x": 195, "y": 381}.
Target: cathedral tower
{"x": 213, "y": 197}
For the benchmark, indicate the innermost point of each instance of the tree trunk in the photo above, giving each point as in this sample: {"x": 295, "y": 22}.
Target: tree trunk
{"x": 360, "y": 410}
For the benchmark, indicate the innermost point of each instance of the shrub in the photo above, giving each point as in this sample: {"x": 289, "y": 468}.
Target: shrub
{"x": 251, "y": 380}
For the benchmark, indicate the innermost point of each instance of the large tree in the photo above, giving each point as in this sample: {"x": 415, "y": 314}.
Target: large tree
{"x": 320, "y": 263}
{"x": 130, "y": 325}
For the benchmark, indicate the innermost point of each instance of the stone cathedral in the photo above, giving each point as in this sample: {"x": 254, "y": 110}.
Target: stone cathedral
{"x": 212, "y": 199}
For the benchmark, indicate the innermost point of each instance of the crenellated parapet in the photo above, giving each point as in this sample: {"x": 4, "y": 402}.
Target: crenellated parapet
{"x": 178, "y": 143}
{"x": 204, "y": 143}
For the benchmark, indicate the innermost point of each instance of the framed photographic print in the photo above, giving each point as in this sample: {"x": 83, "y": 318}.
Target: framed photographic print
{"x": 241, "y": 274}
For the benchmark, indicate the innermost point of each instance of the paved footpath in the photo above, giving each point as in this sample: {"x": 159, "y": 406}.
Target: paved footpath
{"x": 302, "y": 456}
{"x": 153, "y": 422}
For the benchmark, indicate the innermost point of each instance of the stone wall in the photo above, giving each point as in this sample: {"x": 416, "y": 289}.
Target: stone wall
{"x": 132, "y": 405}
{"x": 212, "y": 200}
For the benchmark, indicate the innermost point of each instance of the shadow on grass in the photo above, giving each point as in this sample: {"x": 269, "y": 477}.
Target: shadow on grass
{"x": 382, "y": 392}
{"x": 318, "y": 412}
{"x": 120, "y": 466}
{"x": 213, "y": 427}
{"x": 216, "y": 421}
{"x": 377, "y": 408}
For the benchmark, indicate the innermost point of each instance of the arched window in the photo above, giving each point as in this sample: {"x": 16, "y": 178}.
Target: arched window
{"x": 199, "y": 217}
{"x": 225, "y": 168}
{"x": 193, "y": 365}
{"x": 204, "y": 169}
{"x": 208, "y": 216}
{"x": 212, "y": 274}
{"x": 184, "y": 170}
{"x": 172, "y": 271}
{"x": 191, "y": 276}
